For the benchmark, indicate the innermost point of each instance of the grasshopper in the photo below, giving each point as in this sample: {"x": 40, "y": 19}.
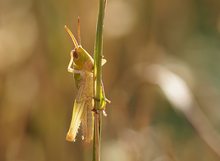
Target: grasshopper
{"x": 81, "y": 66}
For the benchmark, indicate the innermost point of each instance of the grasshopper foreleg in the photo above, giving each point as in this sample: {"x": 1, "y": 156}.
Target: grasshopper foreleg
{"x": 69, "y": 68}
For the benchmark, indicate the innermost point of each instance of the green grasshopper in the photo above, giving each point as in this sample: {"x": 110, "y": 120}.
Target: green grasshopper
{"x": 81, "y": 65}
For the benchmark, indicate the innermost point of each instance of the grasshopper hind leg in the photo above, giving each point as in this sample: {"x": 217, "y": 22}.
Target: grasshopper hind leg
{"x": 78, "y": 109}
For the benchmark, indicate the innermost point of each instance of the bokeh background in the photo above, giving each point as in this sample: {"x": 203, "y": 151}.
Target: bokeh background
{"x": 162, "y": 77}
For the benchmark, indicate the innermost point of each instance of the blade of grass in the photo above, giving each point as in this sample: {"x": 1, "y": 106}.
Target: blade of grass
{"x": 98, "y": 49}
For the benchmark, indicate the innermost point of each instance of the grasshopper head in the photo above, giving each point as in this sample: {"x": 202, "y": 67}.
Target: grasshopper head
{"x": 81, "y": 58}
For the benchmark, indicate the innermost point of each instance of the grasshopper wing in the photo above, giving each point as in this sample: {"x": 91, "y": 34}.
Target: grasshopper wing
{"x": 88, "y": 122}
{"x": 88, "y": 115}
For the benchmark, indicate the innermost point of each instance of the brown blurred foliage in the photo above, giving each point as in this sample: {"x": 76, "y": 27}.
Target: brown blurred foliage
{"x": 162, "y": 77}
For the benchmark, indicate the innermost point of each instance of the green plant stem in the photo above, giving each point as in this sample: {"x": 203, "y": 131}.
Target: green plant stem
{"x": 98, "y": 49}
{"x": 97, "y": 137}
{"x": 98, "y": 52}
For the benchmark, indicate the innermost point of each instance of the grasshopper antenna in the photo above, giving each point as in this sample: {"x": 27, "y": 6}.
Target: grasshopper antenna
{"x": 72, "y": 36}
{"x": 78, "y": 31}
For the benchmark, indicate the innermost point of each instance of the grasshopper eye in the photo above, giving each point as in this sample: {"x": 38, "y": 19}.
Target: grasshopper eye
{"x": 75, "y": 55}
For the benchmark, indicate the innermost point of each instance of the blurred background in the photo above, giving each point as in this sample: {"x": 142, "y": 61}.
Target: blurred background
{"x": 162, "y": 77}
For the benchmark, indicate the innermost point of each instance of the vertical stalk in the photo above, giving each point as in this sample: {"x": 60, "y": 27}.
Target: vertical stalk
{"x": 98, "y": 49}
